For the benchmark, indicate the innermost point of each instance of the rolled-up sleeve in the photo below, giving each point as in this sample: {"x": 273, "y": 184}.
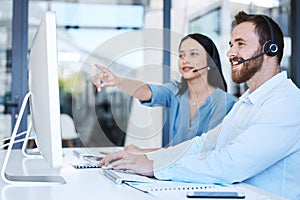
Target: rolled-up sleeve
{"x": 161, "y": 94}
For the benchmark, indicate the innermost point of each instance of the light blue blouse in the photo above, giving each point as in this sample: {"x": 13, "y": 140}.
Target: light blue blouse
{"x": 259, "y": 144}
{"x": 181, "y": 128}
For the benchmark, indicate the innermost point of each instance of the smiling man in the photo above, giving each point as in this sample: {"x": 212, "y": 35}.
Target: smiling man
{"x": 259, "y": 142}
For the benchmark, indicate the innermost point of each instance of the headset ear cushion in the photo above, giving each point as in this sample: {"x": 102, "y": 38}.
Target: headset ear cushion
{"x": 271, "y": 48}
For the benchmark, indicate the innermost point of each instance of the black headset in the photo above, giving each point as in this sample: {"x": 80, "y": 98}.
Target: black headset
{"x": 270, "y": 48}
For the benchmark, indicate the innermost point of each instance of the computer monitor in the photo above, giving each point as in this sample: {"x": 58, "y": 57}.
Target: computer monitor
{"x": 44, "y": 89}
{"x": 43, "y": 98}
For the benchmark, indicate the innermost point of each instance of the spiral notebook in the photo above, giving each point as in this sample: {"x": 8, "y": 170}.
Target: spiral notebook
{"x": 163, "y": 186}
{"x": 178, "y": 190}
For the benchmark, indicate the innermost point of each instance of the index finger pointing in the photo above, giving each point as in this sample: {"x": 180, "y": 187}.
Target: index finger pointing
{"x": 100, "y": 67}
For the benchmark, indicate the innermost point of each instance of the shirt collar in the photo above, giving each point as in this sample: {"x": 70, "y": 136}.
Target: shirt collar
{"x": 264, "y": 89}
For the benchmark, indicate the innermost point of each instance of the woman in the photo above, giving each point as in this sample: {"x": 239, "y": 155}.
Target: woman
{"x": 197, "y": 104}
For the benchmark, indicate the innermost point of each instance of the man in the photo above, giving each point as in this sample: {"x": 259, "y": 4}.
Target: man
{"x": 259, "y": 142}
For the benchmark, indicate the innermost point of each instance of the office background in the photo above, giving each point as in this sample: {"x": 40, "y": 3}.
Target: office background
{"x": 92, "y": 30}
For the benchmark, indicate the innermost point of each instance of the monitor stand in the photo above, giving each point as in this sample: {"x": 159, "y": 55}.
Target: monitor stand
{"x": 24, "y": 179}
{"x": 29, "y": 153}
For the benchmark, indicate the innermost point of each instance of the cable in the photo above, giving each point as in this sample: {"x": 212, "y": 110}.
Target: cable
{"x": 19, "y": 134}
{"x": 16, "y": 141}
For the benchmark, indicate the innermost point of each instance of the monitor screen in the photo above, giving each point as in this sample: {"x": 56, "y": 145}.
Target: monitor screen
{"x": 44, "y": 89}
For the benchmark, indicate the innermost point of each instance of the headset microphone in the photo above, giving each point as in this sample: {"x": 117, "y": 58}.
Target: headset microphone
{"x": 195, "y": 70}
{"x": 252, "y": 58}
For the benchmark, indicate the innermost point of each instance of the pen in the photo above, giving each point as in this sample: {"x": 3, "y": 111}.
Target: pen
{"x": 221, "y": 184}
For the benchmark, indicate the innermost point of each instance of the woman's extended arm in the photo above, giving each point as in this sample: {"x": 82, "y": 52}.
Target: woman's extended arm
{"x": 135, "y": 88}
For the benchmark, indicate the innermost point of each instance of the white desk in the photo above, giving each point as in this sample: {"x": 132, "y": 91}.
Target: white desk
{"x": 81, "y": 183}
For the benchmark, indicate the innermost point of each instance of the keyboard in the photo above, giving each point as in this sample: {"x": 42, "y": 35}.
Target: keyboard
{"x": 120, "y": 177}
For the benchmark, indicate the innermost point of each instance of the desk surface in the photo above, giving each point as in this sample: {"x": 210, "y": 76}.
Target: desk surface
{"x": 81, "y": 183}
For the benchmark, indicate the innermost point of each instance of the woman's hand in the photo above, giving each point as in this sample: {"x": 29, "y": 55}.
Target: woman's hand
{"x": 105, "y": 78}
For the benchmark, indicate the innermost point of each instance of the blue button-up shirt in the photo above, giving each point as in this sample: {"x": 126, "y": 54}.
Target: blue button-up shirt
{"x": 181, "y": 128}
{"x": 259, "y": 143}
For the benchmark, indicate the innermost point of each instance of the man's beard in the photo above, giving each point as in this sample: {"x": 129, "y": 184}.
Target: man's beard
{"x": 247, "y": 71}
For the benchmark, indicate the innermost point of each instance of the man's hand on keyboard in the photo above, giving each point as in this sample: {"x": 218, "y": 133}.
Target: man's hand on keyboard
{"x": 123, "y": 160}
